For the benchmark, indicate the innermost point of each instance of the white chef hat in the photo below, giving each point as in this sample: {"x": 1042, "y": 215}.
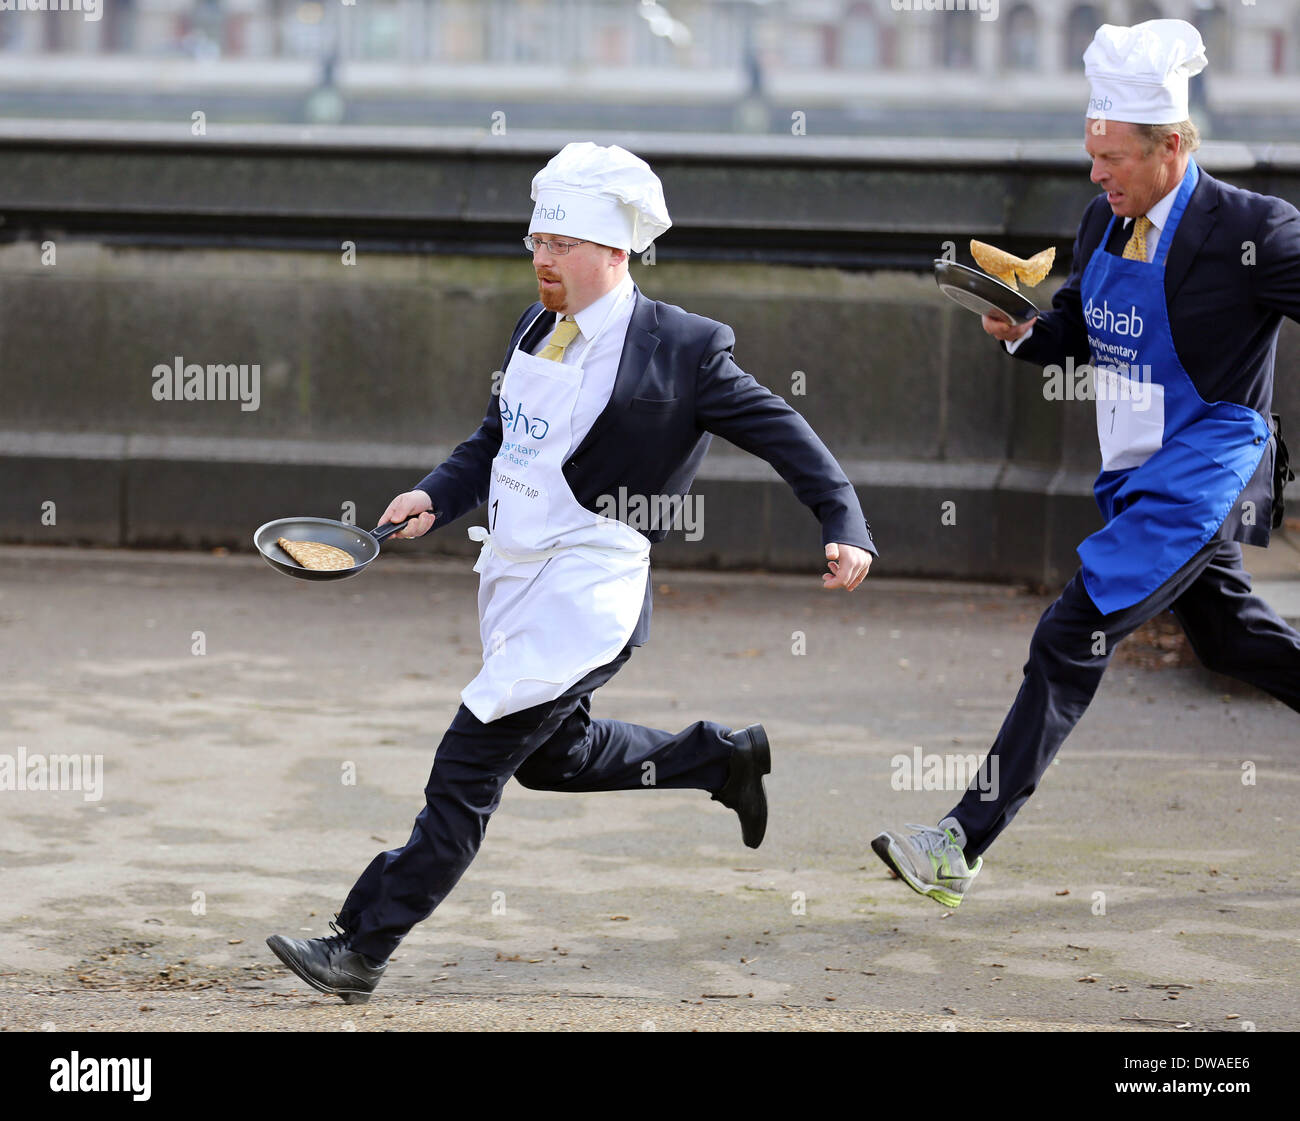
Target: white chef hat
{"x": 605, "y": 195}
{"x": 1139, "y": 73}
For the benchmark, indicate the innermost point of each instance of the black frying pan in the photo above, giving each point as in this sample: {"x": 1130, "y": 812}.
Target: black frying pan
{"x": 981, "y": 293}
{"x": 362, "y": 544}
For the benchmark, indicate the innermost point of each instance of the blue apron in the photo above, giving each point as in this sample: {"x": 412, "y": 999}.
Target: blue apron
{"x": 1172, "y": 463}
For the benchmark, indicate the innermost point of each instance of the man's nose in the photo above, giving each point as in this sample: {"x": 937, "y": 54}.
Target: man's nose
{"x": 1097, "y": 175}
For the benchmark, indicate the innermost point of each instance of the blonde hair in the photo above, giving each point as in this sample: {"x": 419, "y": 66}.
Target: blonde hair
{"x": 1153, "y": 136}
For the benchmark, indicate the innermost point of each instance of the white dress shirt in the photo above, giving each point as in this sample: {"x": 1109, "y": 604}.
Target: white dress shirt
{"x": 1158, "y": 215}
{"x": 600, "y": 366}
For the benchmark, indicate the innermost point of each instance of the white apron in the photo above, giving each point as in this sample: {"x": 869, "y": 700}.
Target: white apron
{"x": 560, "y": 587}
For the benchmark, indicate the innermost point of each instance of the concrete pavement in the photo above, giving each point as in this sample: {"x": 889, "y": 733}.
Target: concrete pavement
{"x": 1276, "y": 571}
{"x": 263, "y": 738}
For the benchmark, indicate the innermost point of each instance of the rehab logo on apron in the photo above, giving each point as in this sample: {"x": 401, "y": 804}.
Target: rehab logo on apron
{"x": 1173, "y": 464}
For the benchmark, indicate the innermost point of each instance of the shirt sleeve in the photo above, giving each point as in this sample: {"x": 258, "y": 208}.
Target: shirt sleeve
{"x": 1012, "y": 347}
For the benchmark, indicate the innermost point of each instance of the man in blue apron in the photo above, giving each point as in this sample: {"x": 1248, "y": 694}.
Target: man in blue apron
{"x": 1176, "y": 294}
{"x": 606, "y": 394}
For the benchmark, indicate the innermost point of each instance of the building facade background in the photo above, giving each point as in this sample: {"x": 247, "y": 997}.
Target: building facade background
{"x": 859, "y": 57}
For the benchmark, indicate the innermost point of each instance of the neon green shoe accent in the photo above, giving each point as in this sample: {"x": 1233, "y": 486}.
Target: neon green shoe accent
{"x": 930, "y": 861}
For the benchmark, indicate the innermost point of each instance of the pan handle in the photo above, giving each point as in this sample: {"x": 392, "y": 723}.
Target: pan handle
{"x": 385, "y": 531}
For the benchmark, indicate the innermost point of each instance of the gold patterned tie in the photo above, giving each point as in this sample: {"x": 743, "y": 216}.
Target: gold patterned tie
{"x": 565, "y": 332}
{"x": 1136, "y": 249}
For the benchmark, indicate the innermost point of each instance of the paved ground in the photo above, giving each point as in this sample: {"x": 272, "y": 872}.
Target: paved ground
{"x": 1145, "y": 886}
{"x": 1277, "y": 571}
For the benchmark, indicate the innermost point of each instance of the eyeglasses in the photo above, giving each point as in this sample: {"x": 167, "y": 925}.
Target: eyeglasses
{"x": 560, "y": 248}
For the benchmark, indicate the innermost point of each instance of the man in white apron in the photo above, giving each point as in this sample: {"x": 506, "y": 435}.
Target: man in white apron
{"x": 606, "y": 393}
{"x": 1175, "y": 298}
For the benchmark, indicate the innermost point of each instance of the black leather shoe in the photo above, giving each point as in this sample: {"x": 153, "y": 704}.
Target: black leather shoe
{"x": 329, "y": 965}
{"x": 743, "y": 790}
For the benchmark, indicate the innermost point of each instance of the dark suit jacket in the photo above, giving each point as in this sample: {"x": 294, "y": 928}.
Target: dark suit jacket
{"x": 676, "y": 384}
{"x": 1232, "y": 272}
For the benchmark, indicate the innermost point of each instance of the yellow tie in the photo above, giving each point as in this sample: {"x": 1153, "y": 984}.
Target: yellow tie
{"x": 565, "y": 332}
{"x": 1136, "y": 249}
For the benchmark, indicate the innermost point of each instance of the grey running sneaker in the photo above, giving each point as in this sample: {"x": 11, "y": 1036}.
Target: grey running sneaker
{"x": 330, "y": 965}
{"x": 930, "y": 860}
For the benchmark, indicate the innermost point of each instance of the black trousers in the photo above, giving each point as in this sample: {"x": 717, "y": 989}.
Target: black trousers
{"x": 1232, "y": 631}
{"x": 553, "y": 746}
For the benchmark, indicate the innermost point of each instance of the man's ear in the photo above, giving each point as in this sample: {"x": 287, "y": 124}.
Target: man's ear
{"x": 618, "y": 256}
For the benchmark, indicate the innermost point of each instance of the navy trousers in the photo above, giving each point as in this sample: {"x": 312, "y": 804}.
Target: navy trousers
{"x": 553, "y": 746}
{"x": 1232, "y": 631}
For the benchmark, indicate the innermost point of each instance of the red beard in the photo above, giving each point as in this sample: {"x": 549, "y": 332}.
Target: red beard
{"x": 552, "y": 295}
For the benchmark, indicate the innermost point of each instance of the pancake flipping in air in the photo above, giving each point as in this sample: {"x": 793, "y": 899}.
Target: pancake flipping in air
{"x": 314, "y": 555}
{"x": 1001, "y": 264}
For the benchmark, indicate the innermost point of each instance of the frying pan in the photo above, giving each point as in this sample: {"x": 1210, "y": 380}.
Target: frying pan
{"x": 362, "y": 544}
{"x": 981, "y": 293}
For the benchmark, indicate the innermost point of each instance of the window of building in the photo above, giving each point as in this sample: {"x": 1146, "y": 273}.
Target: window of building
{"x": 859, "y": 39}
{"x": 1080, "y": 28}
{"x": 1212, "y": 23}
{"x": 956, "y": 40}
{"x": 1020, "y": 40}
